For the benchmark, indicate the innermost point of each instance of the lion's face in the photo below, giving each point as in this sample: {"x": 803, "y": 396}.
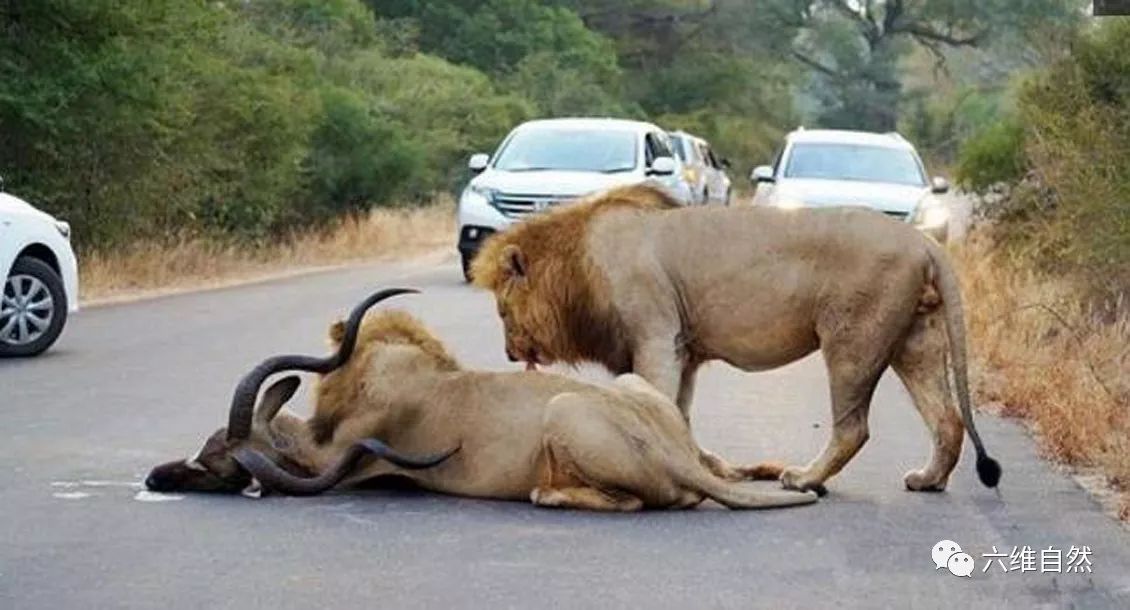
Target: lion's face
{"x": 526, "y": 319}
{"x": 521, "y": 344}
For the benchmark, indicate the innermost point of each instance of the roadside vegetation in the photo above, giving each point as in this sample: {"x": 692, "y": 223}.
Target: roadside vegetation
{"x": 1048, "y": 272}
{"x": 154, "y": 267}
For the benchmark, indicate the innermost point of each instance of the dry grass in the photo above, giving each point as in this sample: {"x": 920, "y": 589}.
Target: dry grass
{"x": 154, "y": 268}
{"x": 1046, "y": 356}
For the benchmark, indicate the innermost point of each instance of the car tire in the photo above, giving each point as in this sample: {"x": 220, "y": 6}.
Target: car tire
{"x": 31, "y": 282}
{"x": 466, "y": 262}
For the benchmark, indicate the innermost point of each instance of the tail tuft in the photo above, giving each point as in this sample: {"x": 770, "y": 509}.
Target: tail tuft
{"x": 989, "y": 470}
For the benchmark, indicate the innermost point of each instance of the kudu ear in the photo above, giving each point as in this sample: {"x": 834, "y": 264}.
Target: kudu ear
{"x": 514, "y": 262}
{"x": 275, "y": 397}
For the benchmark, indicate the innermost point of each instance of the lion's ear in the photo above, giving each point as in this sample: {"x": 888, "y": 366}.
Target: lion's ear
{"x": 514, "y": 262}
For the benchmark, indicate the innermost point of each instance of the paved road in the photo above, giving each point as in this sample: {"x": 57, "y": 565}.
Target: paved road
{"x": 133, "y": 385}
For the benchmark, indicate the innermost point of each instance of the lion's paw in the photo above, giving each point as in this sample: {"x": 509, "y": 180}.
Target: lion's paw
{"x": 918, "y": 480}
{"x": 797, "y": 479}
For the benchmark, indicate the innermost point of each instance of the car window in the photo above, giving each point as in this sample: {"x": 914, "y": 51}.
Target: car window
{"x": 699, "y": 159}
{"x": 586, "y": 150}
{"x": 708, "y": 155}
{"x": 662, "y": 145}
{"x": 777, "y": 159}
{"x": 681, "y": 148}
{"x": 656, "y": 146}
{"x": 854, "y": 162}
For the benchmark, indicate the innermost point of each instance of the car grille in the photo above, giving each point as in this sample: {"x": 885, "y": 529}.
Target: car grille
{"x": 517, "y": 206}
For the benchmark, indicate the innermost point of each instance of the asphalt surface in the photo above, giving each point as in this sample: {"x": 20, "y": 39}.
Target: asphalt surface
{"x": 132, "y": 385}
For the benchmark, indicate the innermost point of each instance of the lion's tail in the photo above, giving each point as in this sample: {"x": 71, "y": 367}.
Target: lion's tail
{"x": 988, "y": 469}
{"x": 735, "y": 495}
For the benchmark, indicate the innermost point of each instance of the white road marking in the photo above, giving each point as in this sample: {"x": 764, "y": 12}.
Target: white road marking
{"x": 152, "y": 496}
{"x": 133, "y": 484}
{"x": 71, "y": 495}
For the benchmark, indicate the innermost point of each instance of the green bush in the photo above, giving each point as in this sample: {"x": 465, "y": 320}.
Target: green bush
{"x": 353, "y": 152}
{"x": 1074, "y": 212}
{"x": 996, "y": 155}
{"x": 152, "y": 118}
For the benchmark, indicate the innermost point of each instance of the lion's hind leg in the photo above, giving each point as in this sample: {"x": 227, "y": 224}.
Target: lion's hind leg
{"x": 560, "y": 485}
{"x": 562, "y": 482}
{"x": 921, "y": 364}
{"x": 584, "y": 498}
{"x": 607, "y": 445}
{"x": 763, "y": 471}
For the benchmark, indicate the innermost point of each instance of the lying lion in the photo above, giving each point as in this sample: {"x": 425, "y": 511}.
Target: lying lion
{"x": 632, "y": 281}
{"x": 518, "y": 435}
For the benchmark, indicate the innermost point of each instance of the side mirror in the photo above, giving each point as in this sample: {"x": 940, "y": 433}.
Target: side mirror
{"x": 762, "y": 173}
{"x": 478, "y": 162}
{"x": 939, "y": 185}
{"x": 662, "y": 166}
{"x": 726, "y": 164}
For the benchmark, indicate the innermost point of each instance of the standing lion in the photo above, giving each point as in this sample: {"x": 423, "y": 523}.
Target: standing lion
{"x": 632, "y": 281}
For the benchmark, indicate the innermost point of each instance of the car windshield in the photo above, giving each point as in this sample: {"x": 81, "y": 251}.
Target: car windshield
{"x": 854, "y": 162}
{"x": 577, "y": 150}
{"x": 680, "y": 146}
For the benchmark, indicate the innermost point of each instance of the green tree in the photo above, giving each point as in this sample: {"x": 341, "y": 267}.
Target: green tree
{"x": 854, "y": 49}
{"x": 496, "y": 35}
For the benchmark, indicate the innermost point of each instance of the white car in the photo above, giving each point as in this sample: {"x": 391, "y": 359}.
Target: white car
{"x": 545, "y": 162}
{"x": 39, "y": 275}
{"x": 826, "y": 167}
{"x": 702, "y": 171}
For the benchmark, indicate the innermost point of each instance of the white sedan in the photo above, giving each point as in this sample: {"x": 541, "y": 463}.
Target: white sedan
{"x": 39, "y": 277}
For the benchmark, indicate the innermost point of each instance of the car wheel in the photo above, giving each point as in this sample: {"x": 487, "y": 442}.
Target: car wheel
{"x": 33, "y": 308}
{"x": 466, "y": 260}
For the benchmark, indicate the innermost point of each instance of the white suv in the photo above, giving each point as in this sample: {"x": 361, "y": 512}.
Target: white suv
{"x": 543, "y": 163}
{"x": 705, "y": 174}
{"x": 39, "y": 277}
{"x": 827, "y": 167}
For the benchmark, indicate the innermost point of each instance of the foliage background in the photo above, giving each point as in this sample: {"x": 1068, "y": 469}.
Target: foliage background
{"x": 162, "y": 119}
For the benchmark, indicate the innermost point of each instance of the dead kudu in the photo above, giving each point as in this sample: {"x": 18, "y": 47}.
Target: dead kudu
{"x": 262, "y": 447}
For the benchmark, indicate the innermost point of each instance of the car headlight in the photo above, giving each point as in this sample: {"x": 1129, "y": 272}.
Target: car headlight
{"x": 477, "y": 195}
{"x": 64, "y": 228}
{"x": 484, "y": 191}
{"x": 788, "y": 204}
{"x": 933, "y": 215}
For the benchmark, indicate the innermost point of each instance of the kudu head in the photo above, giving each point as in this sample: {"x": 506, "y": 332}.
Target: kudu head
{"x": 236, "y": 459}
{"x": 215, "y": 467}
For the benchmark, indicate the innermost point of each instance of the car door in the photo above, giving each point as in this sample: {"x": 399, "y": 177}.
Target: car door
{"x": 658, "y": 145}
{"x": 763, "y": 191}
{"x": 716, "y": 186}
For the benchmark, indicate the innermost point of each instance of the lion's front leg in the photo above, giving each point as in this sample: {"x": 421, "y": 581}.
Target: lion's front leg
{"x": 657, "y": 361}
